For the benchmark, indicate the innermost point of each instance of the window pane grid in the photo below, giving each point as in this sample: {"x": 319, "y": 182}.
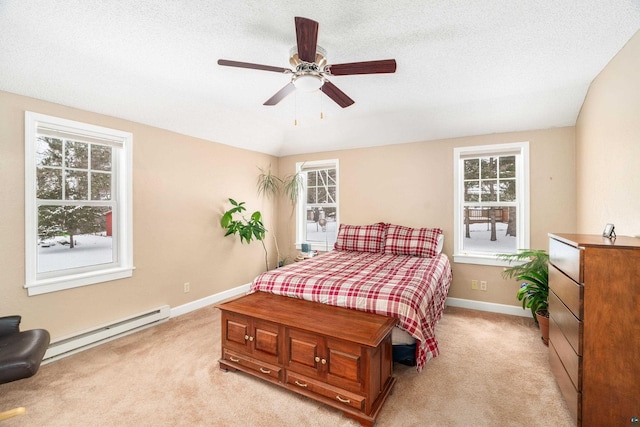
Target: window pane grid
{"x": 84, "y": 170}
{"x": 490, "y": 179}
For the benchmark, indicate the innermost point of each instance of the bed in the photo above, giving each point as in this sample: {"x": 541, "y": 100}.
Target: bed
{"x": 380, "y": 268}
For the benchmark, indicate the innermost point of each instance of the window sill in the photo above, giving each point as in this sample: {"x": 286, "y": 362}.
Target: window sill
{"x": 479, "y": 259}
{"x": 318, "y": 246}
{"x": 39, "y": 287}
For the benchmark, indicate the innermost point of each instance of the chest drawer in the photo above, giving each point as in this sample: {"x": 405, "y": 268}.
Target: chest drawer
{"x": 257, "y": 366}
{"x": 568, "y": 291}
{"x": 335, "y": 394}
{"x": 567, "y": 258}
{"x": 568, "y": 324}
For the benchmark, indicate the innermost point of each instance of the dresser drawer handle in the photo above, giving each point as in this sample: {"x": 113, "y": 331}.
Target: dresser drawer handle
{"x": 265, "y": 371}
{"x": 300, "y": 384}
{"x": 233, "y": 359}
{"x": 343, "y": 400}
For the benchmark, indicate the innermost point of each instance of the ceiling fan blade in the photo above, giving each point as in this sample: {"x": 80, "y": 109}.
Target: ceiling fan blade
{"x": 238, "y": 64}
{"x": 280, "y": 95}
{"x": 366, "y": 67}
{"x": 338, "y": 96}
{"x": 307, "y": 36}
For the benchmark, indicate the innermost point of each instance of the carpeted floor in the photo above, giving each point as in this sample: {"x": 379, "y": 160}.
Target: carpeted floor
{"x": 492, "y": 371}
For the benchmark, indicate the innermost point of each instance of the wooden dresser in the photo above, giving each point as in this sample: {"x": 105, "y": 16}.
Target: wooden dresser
{"x": 594, "y": 327}
{"x": 337, "y": 356}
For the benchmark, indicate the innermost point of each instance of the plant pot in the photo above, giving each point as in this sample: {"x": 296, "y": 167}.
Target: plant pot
{"x": 543, "y": 322}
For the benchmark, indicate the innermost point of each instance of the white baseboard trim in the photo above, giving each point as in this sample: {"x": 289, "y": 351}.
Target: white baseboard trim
{"x": 211, "y": 299}
{"x": 489, "y": 306}
{"x": 453, "y": 302}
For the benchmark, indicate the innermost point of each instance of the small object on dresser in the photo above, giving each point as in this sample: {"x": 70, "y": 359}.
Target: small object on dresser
{"x": 609, "y": 231}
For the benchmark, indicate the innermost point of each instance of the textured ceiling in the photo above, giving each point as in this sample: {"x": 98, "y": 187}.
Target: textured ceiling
{"x": 464, "y": 67}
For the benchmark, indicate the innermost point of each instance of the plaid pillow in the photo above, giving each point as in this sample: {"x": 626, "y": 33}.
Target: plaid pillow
{"x": 422, "y": 242}
{"x": 361, "y": 238}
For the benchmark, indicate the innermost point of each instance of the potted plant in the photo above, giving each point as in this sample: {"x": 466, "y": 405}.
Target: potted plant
{"x": 532, "y": 268}
{"x": 247, "y": 228}
{"x": 271, "y": 185}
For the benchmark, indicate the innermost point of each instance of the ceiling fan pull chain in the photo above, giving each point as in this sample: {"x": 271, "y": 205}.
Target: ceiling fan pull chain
{"x": 295, "y": 113}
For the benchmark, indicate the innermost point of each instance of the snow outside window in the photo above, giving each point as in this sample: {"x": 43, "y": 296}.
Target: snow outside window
{"x": 77, "y": 204}
{"x": 491, "y": 185}
{"x": 317, "y": 210}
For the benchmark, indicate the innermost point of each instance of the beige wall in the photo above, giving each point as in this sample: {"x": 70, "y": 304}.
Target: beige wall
{"x": 412, "y": 184}
{"x": 608, "y": 147}
{"x": 180, "y": 188}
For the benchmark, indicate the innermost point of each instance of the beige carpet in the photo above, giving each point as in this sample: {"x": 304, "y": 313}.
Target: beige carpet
{"x": 492, "y": 371}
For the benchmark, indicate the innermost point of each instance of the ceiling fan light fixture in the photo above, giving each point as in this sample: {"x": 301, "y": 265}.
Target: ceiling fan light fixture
{"x": 308, "y": 82}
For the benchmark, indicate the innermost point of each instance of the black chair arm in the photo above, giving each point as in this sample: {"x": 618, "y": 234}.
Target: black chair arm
{"x": 9, "y": 325}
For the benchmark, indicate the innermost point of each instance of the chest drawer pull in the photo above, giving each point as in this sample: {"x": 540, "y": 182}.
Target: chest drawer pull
{"x": 265, "y": 371}
{"x": 233, "y": 359}
{"x": 343, "y": 400}
{"x": 298, "y": 383}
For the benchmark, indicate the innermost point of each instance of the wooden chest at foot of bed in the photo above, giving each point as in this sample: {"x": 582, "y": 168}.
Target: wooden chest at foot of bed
{"x": 335, "y": 355}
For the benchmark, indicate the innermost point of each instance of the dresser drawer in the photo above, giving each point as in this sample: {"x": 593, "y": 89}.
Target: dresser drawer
{"x": 567, "y": 258}
{"x": 570, "y": 360}
{"x": 572, "y": 396}
{"x": 568, "y": 324}
{"x": 569, "y": 292}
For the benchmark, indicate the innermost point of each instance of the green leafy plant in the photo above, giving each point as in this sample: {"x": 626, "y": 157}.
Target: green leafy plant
{"x": 292, "y": 187}
{"x": 533, "y": 269}
{"x": 268, "y": 183}
{"x": 271, "y": 186}
{"x": 248, "y": 229}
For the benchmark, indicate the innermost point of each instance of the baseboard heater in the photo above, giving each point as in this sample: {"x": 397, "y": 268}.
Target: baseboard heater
{"x": 67, "y": 346}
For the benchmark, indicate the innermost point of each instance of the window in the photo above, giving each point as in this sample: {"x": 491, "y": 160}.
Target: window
{"x": 317, "y": 222}
{"x": 77, "y": 204}
{"x": 491, "y": 201}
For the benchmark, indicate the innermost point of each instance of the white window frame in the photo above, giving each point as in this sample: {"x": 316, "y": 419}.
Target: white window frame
{"x": 301, "y": 208}
{"x": 521, "y": 150}
{"x": 122, "y": 266}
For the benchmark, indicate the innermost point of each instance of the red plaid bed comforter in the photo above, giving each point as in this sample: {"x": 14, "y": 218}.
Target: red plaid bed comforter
{"x": 411, "y": 289}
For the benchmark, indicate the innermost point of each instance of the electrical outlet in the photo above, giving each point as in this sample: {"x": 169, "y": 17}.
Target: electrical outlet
{"x": 187, "y": 287}
{"x": 474, "y": 284}
{"x": 483, "y": 285}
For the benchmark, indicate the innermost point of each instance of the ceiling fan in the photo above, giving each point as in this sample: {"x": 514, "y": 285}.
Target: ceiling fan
{"x": 311, "y": 70}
